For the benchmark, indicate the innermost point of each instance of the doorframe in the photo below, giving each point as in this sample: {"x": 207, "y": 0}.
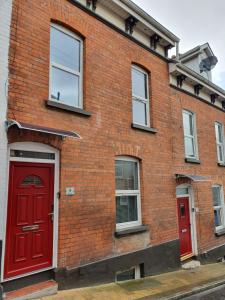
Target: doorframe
{"x": 192, "y": 212}
{"x": 35, "y": 147}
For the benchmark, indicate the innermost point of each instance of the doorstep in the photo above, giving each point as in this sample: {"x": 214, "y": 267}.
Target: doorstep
{"x": 185, "y": 257}
{"x": 34, "y": 291}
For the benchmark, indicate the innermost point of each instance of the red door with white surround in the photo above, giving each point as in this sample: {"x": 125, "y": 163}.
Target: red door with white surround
{"x": 184, "y": 226}
{"x": 29, "y": 237}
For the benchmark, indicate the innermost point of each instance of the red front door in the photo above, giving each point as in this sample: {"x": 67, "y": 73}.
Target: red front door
{"x": 184, "y": 226}
{"x": 29, "y": 237}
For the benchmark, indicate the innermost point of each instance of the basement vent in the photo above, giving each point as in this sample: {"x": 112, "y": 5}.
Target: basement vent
{"x": 130, "y": 274}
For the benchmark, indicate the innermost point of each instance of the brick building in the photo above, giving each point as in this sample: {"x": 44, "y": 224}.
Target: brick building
{"x": 5, "y": 19}
{"x": 115, "y": 170}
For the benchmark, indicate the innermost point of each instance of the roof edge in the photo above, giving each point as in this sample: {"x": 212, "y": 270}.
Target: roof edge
{"x": 150, "y": 19}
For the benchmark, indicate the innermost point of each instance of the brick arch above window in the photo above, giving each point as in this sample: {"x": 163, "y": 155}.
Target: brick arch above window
{"x": 121, "y": 149}
{"x": 142, "y": 67}
{"x": 68, "y": 27}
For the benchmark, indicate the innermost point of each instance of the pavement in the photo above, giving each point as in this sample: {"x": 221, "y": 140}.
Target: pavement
{"x": 181, "y": 284}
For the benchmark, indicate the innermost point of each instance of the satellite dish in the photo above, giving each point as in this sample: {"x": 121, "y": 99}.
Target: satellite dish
{"x": 208, "y": 64}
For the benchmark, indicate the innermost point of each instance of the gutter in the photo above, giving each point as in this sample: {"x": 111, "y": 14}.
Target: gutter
{"x": 197, "y": 76}
{"x": 150, "y": 19}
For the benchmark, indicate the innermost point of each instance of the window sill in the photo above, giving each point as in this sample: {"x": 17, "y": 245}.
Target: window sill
{"x": 129, "y": 231}
{"x": 192, "y": 160}
{"x": 69, "y": 108}
{"x": 220, "y": 232}
{"x": 221, "y": 164}
{"x": 143, "y": 128}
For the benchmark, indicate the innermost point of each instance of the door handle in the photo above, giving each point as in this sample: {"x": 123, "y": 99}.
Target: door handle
{"x": 30, "y": 228}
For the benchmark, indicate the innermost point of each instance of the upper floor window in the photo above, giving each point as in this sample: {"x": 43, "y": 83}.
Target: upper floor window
{"x": 190, "y": 137}
{"x": 219, "y": 142}
{"x": 218, "y": 205}
{"x": 65, "y": 66}
{"x": 128, "y": 206}
{"x": 140, "y": 96}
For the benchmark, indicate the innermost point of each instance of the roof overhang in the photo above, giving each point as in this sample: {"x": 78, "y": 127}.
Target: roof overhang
{"x": 147, "y": 20}
{"x": 195, "y": 78}
{"x": 197, "y": 51}
{"x": 42, "y": 129}
{"x": 193, "y": 177}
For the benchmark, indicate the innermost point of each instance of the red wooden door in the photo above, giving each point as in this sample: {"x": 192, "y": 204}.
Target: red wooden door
{"x": 184, "y": 226}
{"x": 29, "y": 237}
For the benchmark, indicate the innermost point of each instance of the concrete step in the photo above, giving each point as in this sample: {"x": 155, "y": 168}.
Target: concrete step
{"x": 191, "y": 264}
{"x": 34, "y": 291}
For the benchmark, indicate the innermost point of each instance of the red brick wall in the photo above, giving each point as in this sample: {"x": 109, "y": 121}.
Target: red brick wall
{"x": 87, "y": 220}
{"x": 205, "y": 121}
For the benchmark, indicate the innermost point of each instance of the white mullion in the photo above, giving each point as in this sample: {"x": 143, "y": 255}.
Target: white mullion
{"x": 63, "y": 68}
{"x": 138, "y": 98}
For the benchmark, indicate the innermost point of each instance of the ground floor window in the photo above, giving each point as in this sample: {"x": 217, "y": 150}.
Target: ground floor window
{"x": 218, "y": 205}
{"x": 128, "y": 207}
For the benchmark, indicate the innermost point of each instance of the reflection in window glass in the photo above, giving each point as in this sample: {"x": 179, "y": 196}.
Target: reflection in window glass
{"x": 218, "y": 205}
{"x": 140, "y": 97}
{"x": 139, "y": 112}
{"x": 139, "y": 84}
{"x": 65, "y": 87}
{"x": 65, "y": 50}
{"x": 127, "y": 193}
{"x": 220, "y": 142}
{"x": 126, "y": 175}
{"x": 126, "y": 208}
{"x": 182, "y": 191}
{"x": 189, "y": 146}
{"x": 66, "y": 67}
{"x": 190, "y": 141}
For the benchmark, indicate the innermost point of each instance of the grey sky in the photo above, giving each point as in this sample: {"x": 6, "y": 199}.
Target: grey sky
{"x": 195, "y": 22}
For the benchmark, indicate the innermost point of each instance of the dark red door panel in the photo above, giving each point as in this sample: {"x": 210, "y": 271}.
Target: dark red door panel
{"x": 184, "y": 226}
{"x": 29, "y": 238}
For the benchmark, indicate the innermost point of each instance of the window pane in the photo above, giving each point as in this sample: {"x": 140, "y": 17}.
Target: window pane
{"x": 126, "y": 175}
{"x": 189, "y": 146}
{"x": 65, "y": 50}
{"x": 65, "y": 87}
{"x": 216, "y": 196}
{"x": 218, "y": 128}
{"x": 182, "y": 210}
{"x": 139, "y": 84}
{"x": 188, "y": 123}
{"x": 220, "y": 152}
{"x": 218, "y": 217}
{"x": 139, "y": 112}
{"x": 182, "y": 191}
{"x": 126, "y": 209}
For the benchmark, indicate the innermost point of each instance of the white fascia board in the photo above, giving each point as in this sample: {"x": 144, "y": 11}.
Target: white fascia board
{"x": 211, "y": 87}
{"x": 146, "y": 23}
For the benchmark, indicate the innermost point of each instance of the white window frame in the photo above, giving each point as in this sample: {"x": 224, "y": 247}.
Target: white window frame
{"x": 219, "y": 207}
{"x": 140, "y": 99}
{"x": 66, "y": 69}
{"x": 121, "y": 226}
{"x": 220, "y": 145}
{"x": 193, "y": 137}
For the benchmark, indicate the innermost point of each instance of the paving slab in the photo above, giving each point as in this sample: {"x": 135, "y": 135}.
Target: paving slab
{"x": 164, "y": 286}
